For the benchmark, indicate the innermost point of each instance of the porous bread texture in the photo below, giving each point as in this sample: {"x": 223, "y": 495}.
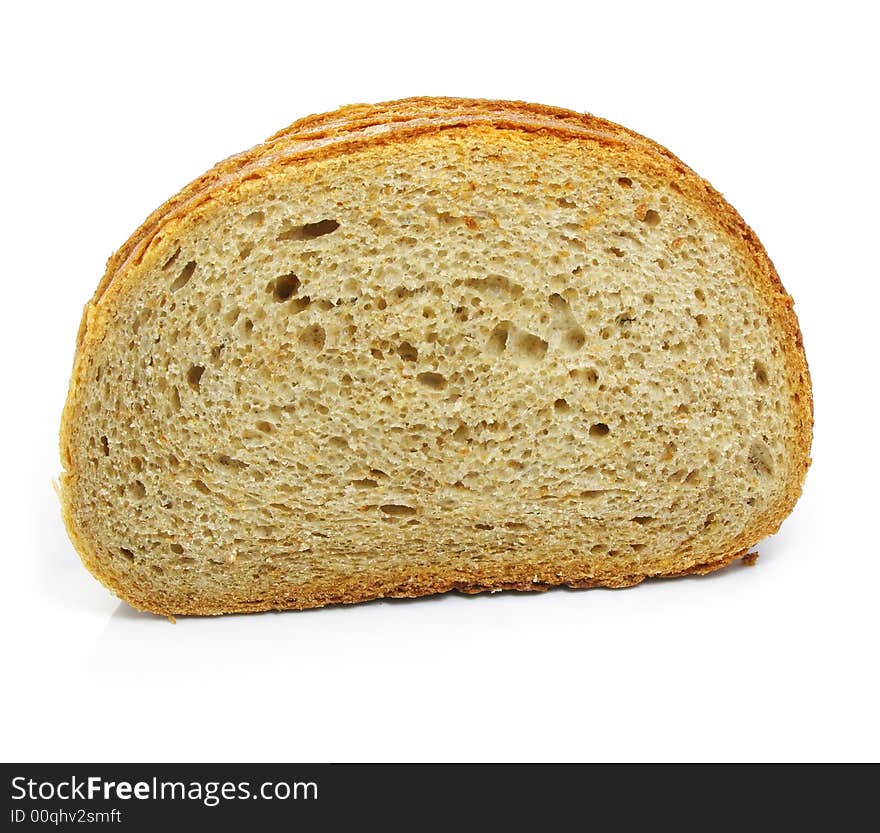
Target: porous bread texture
{"x": 473, "y": 358}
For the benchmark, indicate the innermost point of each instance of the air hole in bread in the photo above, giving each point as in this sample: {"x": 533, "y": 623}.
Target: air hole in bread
{"x": 761, "y": 458}
{"x": 283, "y": 287}
{"x": 561, "y": 405}
{"x": 761, "y": 373}
{"x": 255, "y": 218}
{"x": 574, "y": 339}
{"x": 105, "y": 446}
{"x": 498, "y": 339}
{"x": 651, "y": 218}
{"x": 528, "y": 347}
{"x": 624, "y": 182}
{"x": 177, "y": 549}
{"x": 434, "y": 381}
{"x": 137, "y": 489}
{"x": 599, "y": 429}
{"x": 309, "y": 231}
{"x": 485, "y": 527}
{"x": 364, "y": 483}
{"x": 313, "y": 338}
{"x": 183, "y": 278}
{"x": 230, "y": 462}
{"x": 407, "y": 352}
{"x": 170, "y": 262}
{"x": 496, "y": 285}
{"x": 462, "y": 433}
{"x": 127, "y": 553}
{"x": 194, "y": 376}
{"x": 587, "y": 375}
{"x": 397, "y": 509}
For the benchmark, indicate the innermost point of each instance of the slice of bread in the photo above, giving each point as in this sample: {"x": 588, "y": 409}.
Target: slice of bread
{"x": 428, "y": 345}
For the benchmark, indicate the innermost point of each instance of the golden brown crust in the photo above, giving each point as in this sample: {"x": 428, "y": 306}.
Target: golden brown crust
{"x": 360, "y": 128}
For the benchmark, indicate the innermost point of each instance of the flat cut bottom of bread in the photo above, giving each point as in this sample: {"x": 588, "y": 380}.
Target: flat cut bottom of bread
{"x": 426, "y": 346}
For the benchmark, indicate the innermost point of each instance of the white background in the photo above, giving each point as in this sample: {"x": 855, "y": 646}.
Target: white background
{"x": 110, "y": 109}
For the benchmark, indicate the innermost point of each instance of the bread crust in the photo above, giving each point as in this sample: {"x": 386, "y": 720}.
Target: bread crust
{"x": 362, "y": 128}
